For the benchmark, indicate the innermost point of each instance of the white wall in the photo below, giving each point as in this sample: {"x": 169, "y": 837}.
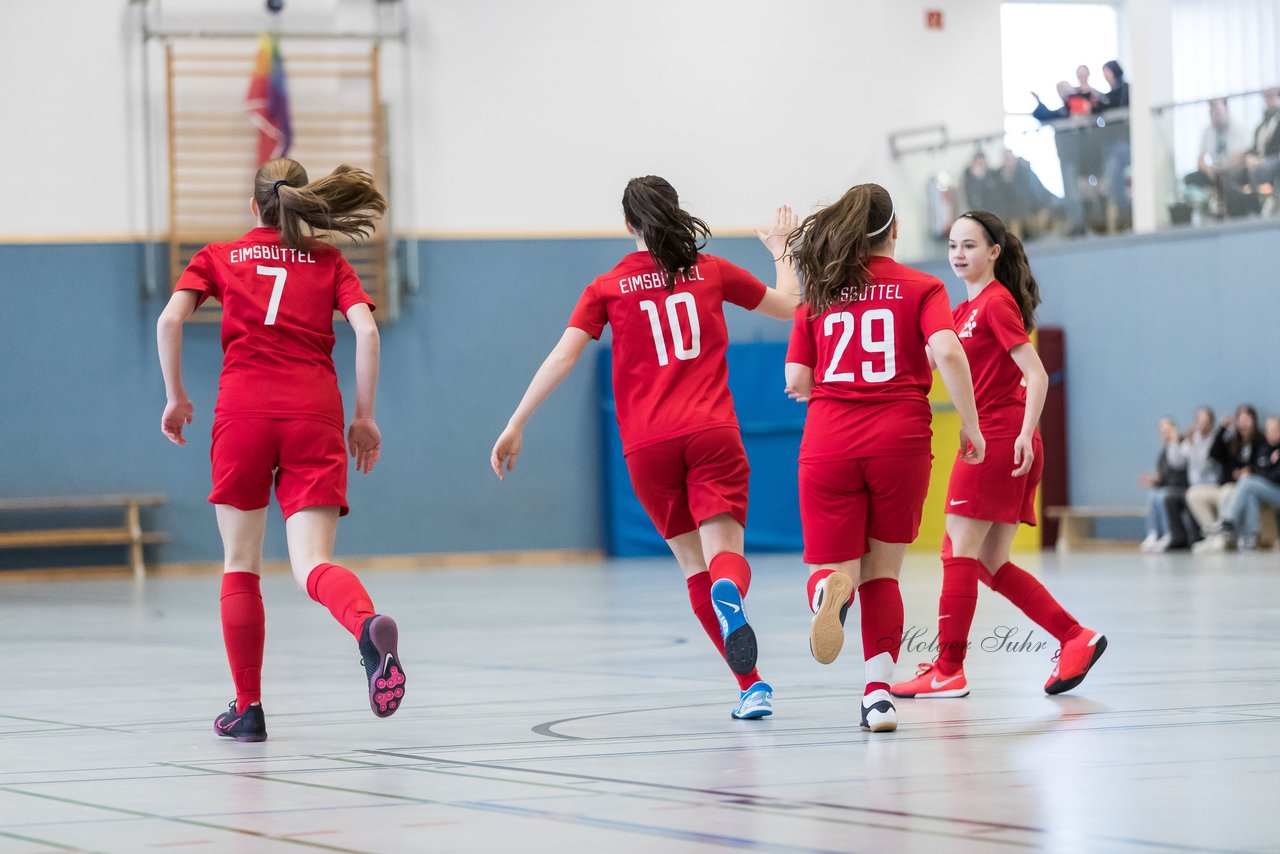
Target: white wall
{"x": 530, "y": 117}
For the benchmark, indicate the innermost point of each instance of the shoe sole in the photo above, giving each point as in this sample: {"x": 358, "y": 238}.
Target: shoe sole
{"x": 1061, "y": 686}
{"x": 826, "y": 632}
{"x": 953, "y": 694}
{"x": 740, "y": 649}
{"x": 388, "y": 685}
{"x": 242, "y": 738}
{"x": 882, "y": 726}
{"x": 753, "y": 715}
{"x": 253, "y": 736}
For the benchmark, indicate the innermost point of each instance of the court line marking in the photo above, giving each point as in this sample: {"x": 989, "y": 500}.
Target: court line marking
{"x": 50, "y": 844}
{"x": 178, "y": 820}
{"x": 736, "y": 801}
{"x": 790, "y": 804}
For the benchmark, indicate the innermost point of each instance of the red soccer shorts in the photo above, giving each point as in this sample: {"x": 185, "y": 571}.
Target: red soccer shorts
{"x": 990, "y": 492}
{"x": 843, "y": 503}
{"x": 306, "y": 459}
{"x": 684, "y": 481}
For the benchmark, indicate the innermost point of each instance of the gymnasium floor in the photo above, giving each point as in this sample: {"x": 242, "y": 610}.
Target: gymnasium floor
{"x": 579, "y": 709}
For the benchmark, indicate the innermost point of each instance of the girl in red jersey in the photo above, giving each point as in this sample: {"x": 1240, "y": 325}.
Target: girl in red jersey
{"x": 680, "y": 435}
{"x": 279, "y": 414}
{"x": 985, "y": 503}
{"x": 858, "y": 356}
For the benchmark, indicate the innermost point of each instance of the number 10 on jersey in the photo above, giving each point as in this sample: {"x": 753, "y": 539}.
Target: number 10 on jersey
{"x": 673, "y": 304}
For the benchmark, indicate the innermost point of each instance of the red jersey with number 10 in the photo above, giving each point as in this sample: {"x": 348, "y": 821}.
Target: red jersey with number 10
{"x": 669, "y": 373}
{"x": 871, "y": 376}
{"x": 277, "y": 324}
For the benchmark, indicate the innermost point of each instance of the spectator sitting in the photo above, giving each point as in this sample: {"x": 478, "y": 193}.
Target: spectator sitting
{"x": 1236, "y": 444}
{"x": 1029, "y": 204}
{"x": 1260, "y": 486}
{"x": 979, "y": 184}
{"x": 1222, "y": 148}
{"x": 1202, "y": 470}
{"x": 1170, "y": 478}
{"x": 1261, "y": 169}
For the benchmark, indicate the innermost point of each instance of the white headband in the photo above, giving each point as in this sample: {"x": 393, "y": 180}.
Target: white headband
{"x": 892, "y": 213}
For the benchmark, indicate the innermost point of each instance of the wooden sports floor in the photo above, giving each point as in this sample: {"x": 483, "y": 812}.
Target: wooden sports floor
{"x": 580, "y": 709}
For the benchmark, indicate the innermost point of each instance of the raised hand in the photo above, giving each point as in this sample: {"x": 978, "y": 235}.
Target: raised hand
{"x": 776, "y": 236}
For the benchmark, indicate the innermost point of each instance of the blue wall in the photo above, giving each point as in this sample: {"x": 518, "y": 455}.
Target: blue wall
{"x": 1154, "y": 325}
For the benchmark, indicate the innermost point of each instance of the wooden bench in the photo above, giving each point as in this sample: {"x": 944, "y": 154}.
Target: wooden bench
{"x": 129, "y": 533}
{"x": 1075, "y": 529}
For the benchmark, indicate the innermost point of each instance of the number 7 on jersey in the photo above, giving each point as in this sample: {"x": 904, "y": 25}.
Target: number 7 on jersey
{"x": 279, "y": 273}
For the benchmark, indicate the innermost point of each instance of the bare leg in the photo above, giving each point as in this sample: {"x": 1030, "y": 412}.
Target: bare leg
{"x": 310, "y": 533}
{"x": 242, "y": 534}
{"x": 720, "y": 534}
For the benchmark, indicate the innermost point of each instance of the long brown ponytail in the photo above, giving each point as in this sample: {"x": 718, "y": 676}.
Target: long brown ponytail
{"x": 831, "y": 247}
{"x": 1011, "y": 268}
{"x": 672, "y": 235}
{"x": 345, "y": 201}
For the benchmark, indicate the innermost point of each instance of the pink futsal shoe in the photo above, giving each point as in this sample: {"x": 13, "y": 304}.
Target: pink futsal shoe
{"x": 1075, "y": 659}
{"x": 251, "y": 725}
{"x": 932, "y": 682}
{"x": 378, "y": 653}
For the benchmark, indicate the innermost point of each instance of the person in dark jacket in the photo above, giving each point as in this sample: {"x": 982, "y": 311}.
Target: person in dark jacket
{"x": 1236, "y": 446}
{"x": 1113, "y": 134}
{"x": 1169, "y": 480}
{"x": 1257, "y": 492}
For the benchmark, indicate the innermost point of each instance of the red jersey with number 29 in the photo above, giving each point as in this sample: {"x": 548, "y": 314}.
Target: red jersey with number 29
{"x": 277, "y": 324}
{"x": 989, "y": 326}
{"x": 871, "y": 376}
{"x": 669, "y": 373}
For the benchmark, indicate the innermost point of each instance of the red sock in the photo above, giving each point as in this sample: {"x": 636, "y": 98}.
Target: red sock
{"x": 244, "y": 628}
{"x": 338, "y": 589}
{"x": 732, "y": 566}
{"x": 955, "y": 610}
{"x": 1022, "y": 589}
{"x": 700, "y": 599}
{"x": 882, "y": 618}
{"x": 816, "y": 578}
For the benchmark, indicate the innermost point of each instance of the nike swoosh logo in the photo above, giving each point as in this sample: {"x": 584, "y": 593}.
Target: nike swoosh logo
{"x": 935, "y": 684}
{"x": 957, "y": 503}
{"x": 735, "y": 608}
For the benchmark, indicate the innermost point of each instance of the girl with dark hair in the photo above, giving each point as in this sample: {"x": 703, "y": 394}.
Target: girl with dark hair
{"x": 680, "y": 435}
{"x": 279, "y": 414}
{"x": 985, "y": 503}
{"x": 859, "y": 356}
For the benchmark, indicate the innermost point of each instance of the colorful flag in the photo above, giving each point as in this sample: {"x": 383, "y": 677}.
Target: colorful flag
{"x": 268, "y": 101}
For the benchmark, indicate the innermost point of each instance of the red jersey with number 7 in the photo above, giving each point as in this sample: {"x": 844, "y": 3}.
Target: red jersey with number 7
{"x": 669, "y": 373}
{"x": 871, "y": 375}
{"x": 277, "y": 324}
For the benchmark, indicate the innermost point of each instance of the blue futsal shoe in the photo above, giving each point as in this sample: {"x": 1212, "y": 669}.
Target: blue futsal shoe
{"x": 739, "y": 637}
{"x": 755, "y": 702}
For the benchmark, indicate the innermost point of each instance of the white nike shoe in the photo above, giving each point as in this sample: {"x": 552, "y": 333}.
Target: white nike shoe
{"x": 878, "y": 712}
